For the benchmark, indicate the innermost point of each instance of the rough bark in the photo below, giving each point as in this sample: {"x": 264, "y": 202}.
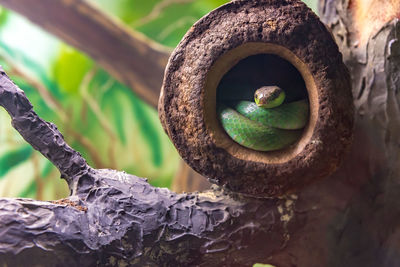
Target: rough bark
{"x": 125, "y": 221}
{"x": 348, "y": 219}
{"x": 129, "y": 56}
{"x": 256, "y": 43}
{"x": 113, "y": 218}
{"x": 43, "y": 136}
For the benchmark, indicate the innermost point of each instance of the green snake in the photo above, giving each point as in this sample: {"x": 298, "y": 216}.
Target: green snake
{"x": 266, "y": 124}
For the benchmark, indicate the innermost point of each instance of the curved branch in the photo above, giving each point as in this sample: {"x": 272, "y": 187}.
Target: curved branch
{"x": 129, "y": 56}
{"x": 125, "y": 221}
{"x": 114, "y": 218}
{"x": 42, "y": 135}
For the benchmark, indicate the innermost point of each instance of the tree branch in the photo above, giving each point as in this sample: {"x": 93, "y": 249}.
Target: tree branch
{"x": 129, "y": 56}
{"x": 349, "y": 219}
{"x": 125, "y": 221}
{"x": 42, "y": 135}
{"x": 112, "y": 218}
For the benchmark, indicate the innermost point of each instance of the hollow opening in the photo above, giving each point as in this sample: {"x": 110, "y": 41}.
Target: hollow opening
{"x": 245, "y": 69}
{"x": 237, "y": 109}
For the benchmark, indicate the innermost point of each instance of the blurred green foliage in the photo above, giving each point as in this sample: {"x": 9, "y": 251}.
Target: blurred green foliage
{"x": 100, "y": 117}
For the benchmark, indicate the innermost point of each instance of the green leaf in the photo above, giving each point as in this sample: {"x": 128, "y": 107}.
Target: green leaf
{"x": 163, "y": 21}
{"x": 13, "y": 158}
{"x": 70, "y": 68}
{"x": 3, "y": 16}
{"x": 162, "y": 181}
{"x": 127, "y": 10}
{"x": 117, "y": 111}
{"x": 149, "y": 131}
{"x": 47, "y": 168}
{"x": 29, "y": 65}
{"x": 113, "y": 102}
{"x": 30, "y": 190}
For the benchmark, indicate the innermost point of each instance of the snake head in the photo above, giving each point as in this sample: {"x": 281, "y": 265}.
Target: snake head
{"x": 269, "y": 96}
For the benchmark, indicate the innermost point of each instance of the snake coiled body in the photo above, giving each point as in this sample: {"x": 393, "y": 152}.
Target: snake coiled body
{"x": 264, "y": 129}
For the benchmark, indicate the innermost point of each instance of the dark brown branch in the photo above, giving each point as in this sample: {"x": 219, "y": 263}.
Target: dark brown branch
{"x": 130, "y": 57}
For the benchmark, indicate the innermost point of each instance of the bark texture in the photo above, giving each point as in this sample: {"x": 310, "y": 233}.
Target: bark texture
{"x": 236, "y": 28}
{"x": 113, "y": 218}
{"x": 43, "y": 136}
{"x": 123, "y": 220}
{"x": 348, "y": 219}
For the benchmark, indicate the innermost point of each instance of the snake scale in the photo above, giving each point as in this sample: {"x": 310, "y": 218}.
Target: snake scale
{"x": 266, "y": 124}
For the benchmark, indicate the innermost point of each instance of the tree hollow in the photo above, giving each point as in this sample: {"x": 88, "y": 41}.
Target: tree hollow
{"x": 219, "y": 42}
{"x": 289, "y": 65}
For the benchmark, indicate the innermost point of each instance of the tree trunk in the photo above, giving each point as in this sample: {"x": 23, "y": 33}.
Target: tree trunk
{"x": 351, "y": 218}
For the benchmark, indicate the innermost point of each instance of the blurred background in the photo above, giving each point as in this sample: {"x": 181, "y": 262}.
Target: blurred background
{"x": 98, "y": 116}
